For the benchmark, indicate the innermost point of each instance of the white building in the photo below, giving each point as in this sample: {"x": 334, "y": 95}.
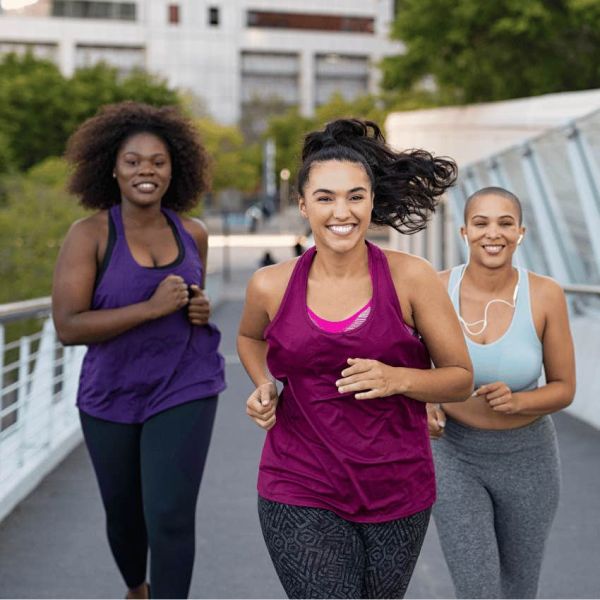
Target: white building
{"x": 227, "y": 52}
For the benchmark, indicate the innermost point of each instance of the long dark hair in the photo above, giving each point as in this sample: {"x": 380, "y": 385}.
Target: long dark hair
{"x": 406, "y": 185}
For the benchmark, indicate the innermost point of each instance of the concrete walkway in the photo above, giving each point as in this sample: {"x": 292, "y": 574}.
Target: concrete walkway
{"x": 54, "y": 546}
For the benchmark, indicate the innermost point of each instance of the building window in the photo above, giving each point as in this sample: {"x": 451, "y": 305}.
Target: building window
{"x": 213, "y": 16}
{"x": 315, "y": 22}
{"x": 174, "y": 13}
{"x": 345, "y": 75}
{"x": 84, "y": 9}
{"x": 124, "y": 58}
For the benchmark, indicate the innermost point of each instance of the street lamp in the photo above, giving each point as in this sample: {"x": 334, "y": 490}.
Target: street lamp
{"x": 284, "y": 189}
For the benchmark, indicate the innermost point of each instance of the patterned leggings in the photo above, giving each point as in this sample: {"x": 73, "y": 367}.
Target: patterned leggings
{"x": 320, "y": 555}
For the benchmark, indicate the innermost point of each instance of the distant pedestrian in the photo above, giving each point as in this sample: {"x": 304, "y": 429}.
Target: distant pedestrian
{"x": 298, "y": 247}
{"x": 496, "y": 455}
{"x": 346, "y": 478}
{"x": 267, "y": 259}
{"x": 129, "y": 284}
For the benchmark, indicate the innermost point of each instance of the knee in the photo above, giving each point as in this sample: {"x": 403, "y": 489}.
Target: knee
{"x": 170, "y": 522}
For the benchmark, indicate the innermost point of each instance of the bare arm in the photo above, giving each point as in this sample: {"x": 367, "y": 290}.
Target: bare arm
{"x": 251, "y": 345}
{"x": 433, "y": 316}
{"x": 73, "y": 287}
{"x": 559, "y": 361}
{"x": 199, "y": 306}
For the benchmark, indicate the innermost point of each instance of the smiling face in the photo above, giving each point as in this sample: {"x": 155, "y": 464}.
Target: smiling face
{"x": 493, "y": 230}
{"x": 143, "y": 169}
{"x": 337, "y": 201}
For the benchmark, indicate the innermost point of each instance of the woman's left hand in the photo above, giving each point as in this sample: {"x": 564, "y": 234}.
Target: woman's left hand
{"x": 367, "y": 374}
{"x": 499, "y": 397}
{"x": 198, "y": 306}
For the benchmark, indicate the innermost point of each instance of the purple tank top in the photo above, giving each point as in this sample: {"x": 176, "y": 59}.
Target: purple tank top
{"x": 156, "y": 365}
{"x": 365, "y": 460}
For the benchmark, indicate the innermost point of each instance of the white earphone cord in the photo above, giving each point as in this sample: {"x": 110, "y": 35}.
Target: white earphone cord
{"x": 468, "y": 326}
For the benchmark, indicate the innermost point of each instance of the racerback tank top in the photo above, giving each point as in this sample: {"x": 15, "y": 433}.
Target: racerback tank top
{"x": 365, "y": 460}
{"x": 158, "y": 364}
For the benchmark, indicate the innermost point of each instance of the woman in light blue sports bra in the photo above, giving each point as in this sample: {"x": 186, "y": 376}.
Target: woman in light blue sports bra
{"x": 496, "y": 457}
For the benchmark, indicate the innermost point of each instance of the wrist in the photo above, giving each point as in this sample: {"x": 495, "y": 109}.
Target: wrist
{"x": 150, "y": 312}
{"x": 518, "y": 404}
{"x": 401, "y": 383}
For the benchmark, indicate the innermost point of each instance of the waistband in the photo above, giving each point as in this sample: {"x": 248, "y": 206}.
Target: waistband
{"x": 540, "y": 432}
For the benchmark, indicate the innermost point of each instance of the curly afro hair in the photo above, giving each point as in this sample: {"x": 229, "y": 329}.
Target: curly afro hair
{"x": 93, "y": 149}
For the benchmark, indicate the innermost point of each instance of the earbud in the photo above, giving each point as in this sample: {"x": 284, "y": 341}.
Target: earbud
{"x": 466, "y": 239}
{"x": 520, "y": 239}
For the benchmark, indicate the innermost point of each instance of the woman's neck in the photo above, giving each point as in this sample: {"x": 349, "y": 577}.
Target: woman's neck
{"x": 490, "y": 280}
{"x": 334, "y": 265}
{"x": 141, "y": 216}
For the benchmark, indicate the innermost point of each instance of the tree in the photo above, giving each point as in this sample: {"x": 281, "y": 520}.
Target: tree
{"x": 34, "y": 218}
{"x": 235, "y": 164}
{"x": 40, "y": 108}
{"x": 480, "y": 51}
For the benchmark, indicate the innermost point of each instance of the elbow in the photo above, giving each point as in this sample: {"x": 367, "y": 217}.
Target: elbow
{"x": 66, "y": 335}
{"x": 65, "y": 338}
{"x": 465, "y": 386}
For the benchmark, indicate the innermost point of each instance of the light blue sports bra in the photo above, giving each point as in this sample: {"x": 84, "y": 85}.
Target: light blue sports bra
{"x": 516, "y": 357}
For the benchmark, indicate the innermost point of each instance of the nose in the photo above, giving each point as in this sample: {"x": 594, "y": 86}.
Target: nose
{"x": 341, "y": 210}
{"x": 492, "y": 231}
{"x": 146, "y": 168}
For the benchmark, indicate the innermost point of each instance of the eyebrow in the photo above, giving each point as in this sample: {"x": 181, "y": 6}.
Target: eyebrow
{"x": 323, "y": 190}
{"x": 500, "y": 217}
{"x": 139, "y": 154}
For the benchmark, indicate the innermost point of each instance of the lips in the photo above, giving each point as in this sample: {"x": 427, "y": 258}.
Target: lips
{"x": 341, "y": 229}
{"x": 146, "y": 186}
{"x": 493, "y": 248}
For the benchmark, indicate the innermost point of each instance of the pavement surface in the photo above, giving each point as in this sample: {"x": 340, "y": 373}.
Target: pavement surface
{"x": 54, "y": 546}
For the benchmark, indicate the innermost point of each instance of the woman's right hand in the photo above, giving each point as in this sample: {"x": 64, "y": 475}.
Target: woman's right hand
{"x": 436, "y": 420}
{"x": 262, "y": 404}
{"x": 170, "y": 295}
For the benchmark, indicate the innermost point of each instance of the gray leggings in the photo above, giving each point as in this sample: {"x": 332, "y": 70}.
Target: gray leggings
{"x": 497, "y": 497}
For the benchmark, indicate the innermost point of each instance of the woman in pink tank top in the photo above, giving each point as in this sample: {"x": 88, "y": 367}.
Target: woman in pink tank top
{"x": 346, "y": 479}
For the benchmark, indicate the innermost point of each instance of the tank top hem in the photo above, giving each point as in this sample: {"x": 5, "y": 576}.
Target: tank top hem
{"x": 374, "y": 518}
{"x": 165, "y": 405}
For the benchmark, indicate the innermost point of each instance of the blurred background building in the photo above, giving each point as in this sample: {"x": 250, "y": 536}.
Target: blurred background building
{"x": 232, "y": 54}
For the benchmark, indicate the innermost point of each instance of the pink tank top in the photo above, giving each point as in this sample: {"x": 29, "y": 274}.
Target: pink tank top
{"x": 365, "y": 460}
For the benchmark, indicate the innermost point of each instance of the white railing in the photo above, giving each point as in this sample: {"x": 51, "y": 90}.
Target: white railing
{"x": 39, "y": 424}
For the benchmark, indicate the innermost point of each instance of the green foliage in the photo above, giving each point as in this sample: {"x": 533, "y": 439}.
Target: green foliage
{"x": 480, "y": 51}
{"x": 235, "y": 164}
{"x": 288, "y": 130}
{"x": 40, "y": 108}
{"x": 34, "y": 218}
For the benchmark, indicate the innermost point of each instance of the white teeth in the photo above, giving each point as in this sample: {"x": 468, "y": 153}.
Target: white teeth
{"x": 146, "y": 187}
{"x": 493, "y": 249}
{"x": 341, "y": 229}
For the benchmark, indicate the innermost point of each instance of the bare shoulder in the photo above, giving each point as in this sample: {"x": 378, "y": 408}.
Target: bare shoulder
{"x": 408, "y": 268}
{"x": 196, "y": 228}
{"x": 89, "y": 230}
{"x": 272, "y": 281}
{"x": 545, "y": 290}
{"x": 444, "y": 276}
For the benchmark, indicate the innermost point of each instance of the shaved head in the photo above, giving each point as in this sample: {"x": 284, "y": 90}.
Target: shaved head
{"x": 493, "y": 191}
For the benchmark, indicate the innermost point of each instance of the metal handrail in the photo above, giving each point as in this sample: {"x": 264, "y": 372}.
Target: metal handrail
{"x": 576, "y": 288}
{"x": 13, "y": 311}
{"x": 39, "y": 307}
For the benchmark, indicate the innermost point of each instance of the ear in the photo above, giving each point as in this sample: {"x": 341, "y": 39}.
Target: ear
{"x": 302, "y": 207}
{"x": 463, "y": 232}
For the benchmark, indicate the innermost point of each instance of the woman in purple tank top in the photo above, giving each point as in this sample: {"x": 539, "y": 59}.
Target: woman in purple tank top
{"x": 129, "y": 284}
{"x": 346, "y": 479}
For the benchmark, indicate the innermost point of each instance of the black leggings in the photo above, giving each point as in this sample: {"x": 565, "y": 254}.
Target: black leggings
{"x": 320, "y": 555}
{"x": 149, "y": 476}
